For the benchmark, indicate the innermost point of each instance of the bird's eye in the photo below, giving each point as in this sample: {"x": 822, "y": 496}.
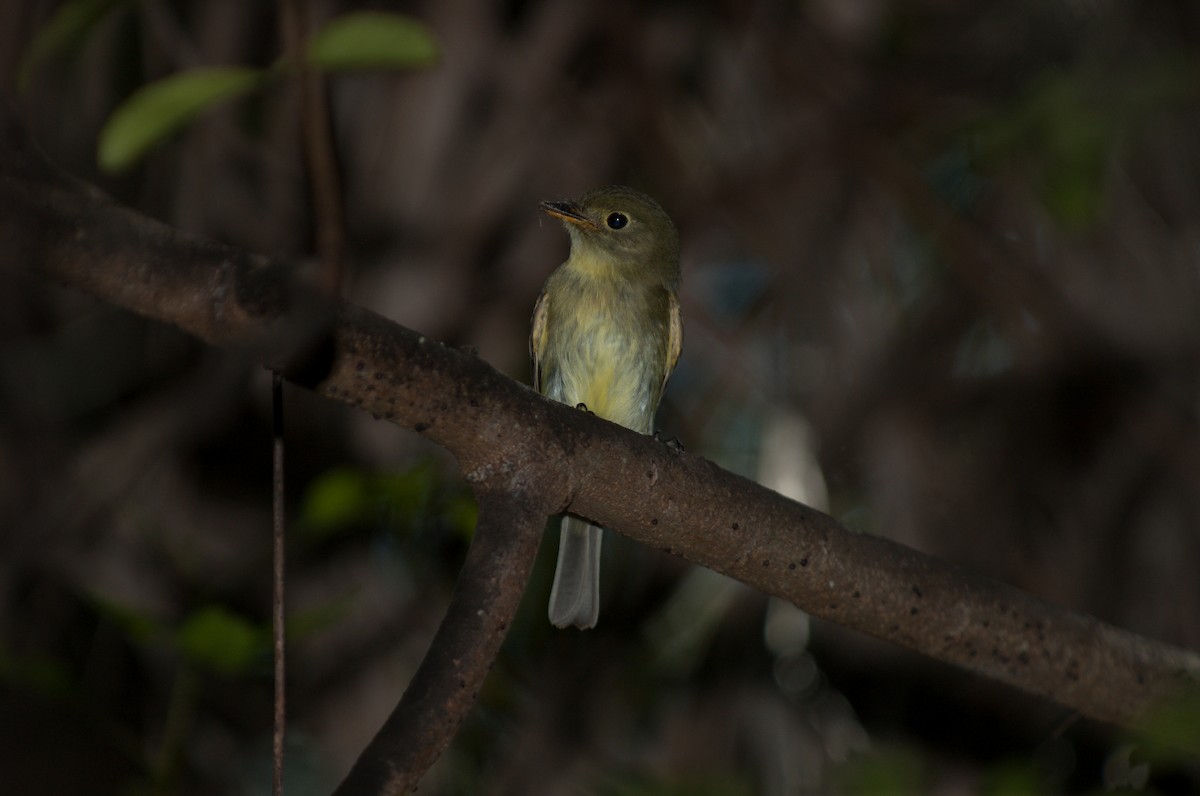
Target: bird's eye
{"x": 617, "y": 220}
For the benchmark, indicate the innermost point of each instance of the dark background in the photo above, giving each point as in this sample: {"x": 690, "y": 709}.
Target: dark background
{"x": 941, "y": 277}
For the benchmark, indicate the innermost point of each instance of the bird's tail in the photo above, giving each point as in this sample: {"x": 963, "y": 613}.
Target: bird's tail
{"x": 575, "y": 596}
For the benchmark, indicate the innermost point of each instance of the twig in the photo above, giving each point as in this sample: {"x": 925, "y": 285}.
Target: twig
{"x": 327, "y": 209}
{"x": 320, "y": 157}
{"x": 278, "y": 549}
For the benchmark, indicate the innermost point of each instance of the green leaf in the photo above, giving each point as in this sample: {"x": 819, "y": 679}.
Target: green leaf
{"x": 410, "y": 502}
{"x": 882, "y": 772}
{"x": 39, "y": 672}
{"x": 336, "y": 499}
{"x": 221, "y": 641}
{"x": 1170, "y": 731}
{"x": 138, "y": 626}
{"x": 372, "y": 40}
{"x": 1013, "y": 776}
{"x": 302, "y": 625}
{"x": 157, "y": 110}
{"x": 64, "y": 32}
{"x": 462, "y": 515}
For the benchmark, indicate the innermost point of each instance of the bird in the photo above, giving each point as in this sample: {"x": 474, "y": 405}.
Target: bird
{"x": 606, "y": 334}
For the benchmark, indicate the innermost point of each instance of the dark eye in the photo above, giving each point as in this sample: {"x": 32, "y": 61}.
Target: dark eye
{"x": 617, "y": 220}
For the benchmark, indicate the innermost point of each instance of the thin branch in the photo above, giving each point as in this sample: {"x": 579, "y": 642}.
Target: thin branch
{"x": 486, "y": 597}
{"x": 509, "y": 440}
{"x": 320, "y": 156}
{"x": 278, "y": 614}
{"x": 327, "y": 214}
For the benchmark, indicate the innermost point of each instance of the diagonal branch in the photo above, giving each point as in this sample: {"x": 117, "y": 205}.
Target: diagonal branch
{"x": 509, "y": 440}
{"x": 444, "y": 688}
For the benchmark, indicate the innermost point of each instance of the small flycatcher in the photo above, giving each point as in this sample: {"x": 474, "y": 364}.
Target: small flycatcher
{"x": 606, "y": 336}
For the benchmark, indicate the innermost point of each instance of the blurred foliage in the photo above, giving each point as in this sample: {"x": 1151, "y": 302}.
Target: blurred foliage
{"x": 223, "y": 642}
{"x": 64, "y": 33}
{"x": 940, "y": 275}
{"x": 1072, "y": 128}
{"x": 372, "y": 41}
{"x": 880, "y": 773}
{"x": 160, "y": 109}
{"x": 1170, "y": 732}
{"x": 38, "y": 672}
{"x": 366, "y": 40}
{"x": 1014, "y": 778}
{"x": 698, "y": 783}
{"x": 407, "y": 502}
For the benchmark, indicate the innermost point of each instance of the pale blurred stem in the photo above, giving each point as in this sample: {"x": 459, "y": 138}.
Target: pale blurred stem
{"x": 320, "y": 157}
{"x": 485, "y": 600}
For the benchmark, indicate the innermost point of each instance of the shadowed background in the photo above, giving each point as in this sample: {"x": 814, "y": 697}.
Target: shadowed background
{"x": 941, "y": 278}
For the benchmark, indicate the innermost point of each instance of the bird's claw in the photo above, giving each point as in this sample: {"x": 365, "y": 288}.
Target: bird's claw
{"x": 671, "y": 442}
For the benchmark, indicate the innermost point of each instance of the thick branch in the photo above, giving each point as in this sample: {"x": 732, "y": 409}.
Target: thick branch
{"x": 504, "y": 434}
{"x": 485, "y": 600}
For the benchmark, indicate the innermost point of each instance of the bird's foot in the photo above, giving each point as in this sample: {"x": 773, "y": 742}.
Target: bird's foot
{"x": 671, "y": 442}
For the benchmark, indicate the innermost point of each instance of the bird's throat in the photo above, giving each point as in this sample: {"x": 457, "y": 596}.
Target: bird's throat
{"x": 590, "y": 263}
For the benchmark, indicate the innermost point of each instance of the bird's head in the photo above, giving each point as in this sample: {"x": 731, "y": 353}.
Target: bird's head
{"x": 622, "y": 226}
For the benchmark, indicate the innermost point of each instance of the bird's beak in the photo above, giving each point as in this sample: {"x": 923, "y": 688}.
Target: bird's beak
{"x": 567, "y": 211}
